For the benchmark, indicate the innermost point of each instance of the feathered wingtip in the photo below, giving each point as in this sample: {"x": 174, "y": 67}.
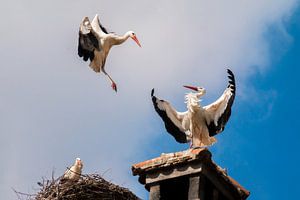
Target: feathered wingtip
{"x": 152, "y": 92}
{"x": 85, "y": 26}
{"x": 96, "y": 20}
{"x": 231, "y": 75}
{"x": 231, "y": 80}
{"x": 85, "y": 19}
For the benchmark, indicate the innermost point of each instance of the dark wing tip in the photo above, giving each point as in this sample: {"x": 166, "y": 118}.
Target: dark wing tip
{"x": 231, "y": 79}
{"x": 223, "y": 119}
{"x": 229, "y": 72}
{"x": 230, "y": 75}
{"x": 102, "y": 27}
{"x": 152, "y": 92}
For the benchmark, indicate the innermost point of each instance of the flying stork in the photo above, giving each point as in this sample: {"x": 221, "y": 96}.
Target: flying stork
{"x": 95, "y": 42}
{"x": 198, "y": 124}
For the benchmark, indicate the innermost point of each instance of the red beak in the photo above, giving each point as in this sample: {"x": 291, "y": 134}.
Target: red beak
{"x": 191, "y": 87}
{"x": 136, "y": 40}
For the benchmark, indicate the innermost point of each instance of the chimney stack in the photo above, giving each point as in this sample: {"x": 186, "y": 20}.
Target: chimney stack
{"x": 189, "y": 174}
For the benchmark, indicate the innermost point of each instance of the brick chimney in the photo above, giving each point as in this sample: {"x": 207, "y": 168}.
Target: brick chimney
{"x": 189, "y": 174}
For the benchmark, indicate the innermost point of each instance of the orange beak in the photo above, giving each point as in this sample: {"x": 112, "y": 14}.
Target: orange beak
{"x": 191, "y": 87}
{"x": 136, "y": 40}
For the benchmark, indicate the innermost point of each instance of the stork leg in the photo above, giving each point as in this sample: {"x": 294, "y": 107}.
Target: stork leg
{"x": 113, "y": 84}
{"x": 189, "y": 136}
{"x": 191, "y": 141}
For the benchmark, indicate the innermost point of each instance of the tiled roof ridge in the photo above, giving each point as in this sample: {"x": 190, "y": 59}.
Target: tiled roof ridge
{"x": 167, "y": 159}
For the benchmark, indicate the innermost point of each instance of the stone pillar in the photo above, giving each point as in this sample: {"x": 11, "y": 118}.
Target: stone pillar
{"x": 196, "y": 191}
{"x": 154, "y": 192}
{"x": 215, "y": 194}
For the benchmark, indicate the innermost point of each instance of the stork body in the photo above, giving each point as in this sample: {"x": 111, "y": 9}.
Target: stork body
{"x": 198, "y": 124}
{"x": 95, "y": 43}
{"x": 74, "y": 173}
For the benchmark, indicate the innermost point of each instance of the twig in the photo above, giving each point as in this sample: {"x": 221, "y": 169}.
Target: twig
{"x": 109, "y": 169}
{"x": 23, "y": 194}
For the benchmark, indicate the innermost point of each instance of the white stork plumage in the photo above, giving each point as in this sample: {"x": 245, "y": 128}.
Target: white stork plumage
{"x": 198, "y": 124}
{"x": 74, "y": 172}
{"x": 95, "y": 42}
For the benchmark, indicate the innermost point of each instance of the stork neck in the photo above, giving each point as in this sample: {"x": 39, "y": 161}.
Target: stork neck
{"x": 120, "y": 39}
{"x": 78, "y": 167}
{"x": 192, "y": 102}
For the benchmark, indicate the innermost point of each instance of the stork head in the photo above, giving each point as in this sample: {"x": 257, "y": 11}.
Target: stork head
{"x": 133, "y": 36}
{"x": 200, "y": 90}
{"x": 78, "y": 163}
{"x": 192, "y": 99}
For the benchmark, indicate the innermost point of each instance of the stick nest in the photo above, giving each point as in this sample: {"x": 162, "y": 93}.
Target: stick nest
{"x": 88, "y": 187}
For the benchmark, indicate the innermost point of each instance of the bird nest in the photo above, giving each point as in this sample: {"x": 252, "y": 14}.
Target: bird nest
{"x": 88, "y": 187}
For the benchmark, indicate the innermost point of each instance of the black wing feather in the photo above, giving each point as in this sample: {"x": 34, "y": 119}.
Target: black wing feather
{"x": 103, "y": 28}
{"x": 87, "y": 43}
{"x": 213, "y": 129}
{"x": 170, "y": 126}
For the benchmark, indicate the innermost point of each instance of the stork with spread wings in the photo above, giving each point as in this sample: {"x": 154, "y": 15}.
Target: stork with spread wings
{"x": 94, "y": 44}
{"x": 198, "y": 124}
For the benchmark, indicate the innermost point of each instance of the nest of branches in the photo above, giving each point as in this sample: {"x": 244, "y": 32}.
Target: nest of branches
{"x": 88, "y": 187}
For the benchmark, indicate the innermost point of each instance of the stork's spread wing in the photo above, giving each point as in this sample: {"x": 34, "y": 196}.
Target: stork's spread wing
{"x": 87, "y": 42}
{"x": 97, "y": 26}
{"x": 218, "y": 113}
{"x": 171, "y": 118}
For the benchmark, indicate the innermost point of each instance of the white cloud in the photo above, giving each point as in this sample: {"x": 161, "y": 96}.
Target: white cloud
{"x": 54, "y": 108}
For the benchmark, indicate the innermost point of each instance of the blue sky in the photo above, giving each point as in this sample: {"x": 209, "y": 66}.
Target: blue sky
{"x": 272, "y": 158}
{"x": 268, "y": 151}
{"x": 54, "y": 108}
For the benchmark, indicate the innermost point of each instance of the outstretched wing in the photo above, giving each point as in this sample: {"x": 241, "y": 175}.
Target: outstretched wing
{"x": 218, "y": 113}
{"x": 88, "y": 41}
{"x": 97, "y": 26}
{"x": 171, "y": 118}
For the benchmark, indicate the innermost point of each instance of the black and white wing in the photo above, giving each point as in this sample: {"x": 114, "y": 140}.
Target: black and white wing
{"x": 171, "y": 118}
{"x": 218, "y": 113}
{"x": 100, "y": 32}
{"x": 88, "y": 41}
{"x": 97, "y": 26}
